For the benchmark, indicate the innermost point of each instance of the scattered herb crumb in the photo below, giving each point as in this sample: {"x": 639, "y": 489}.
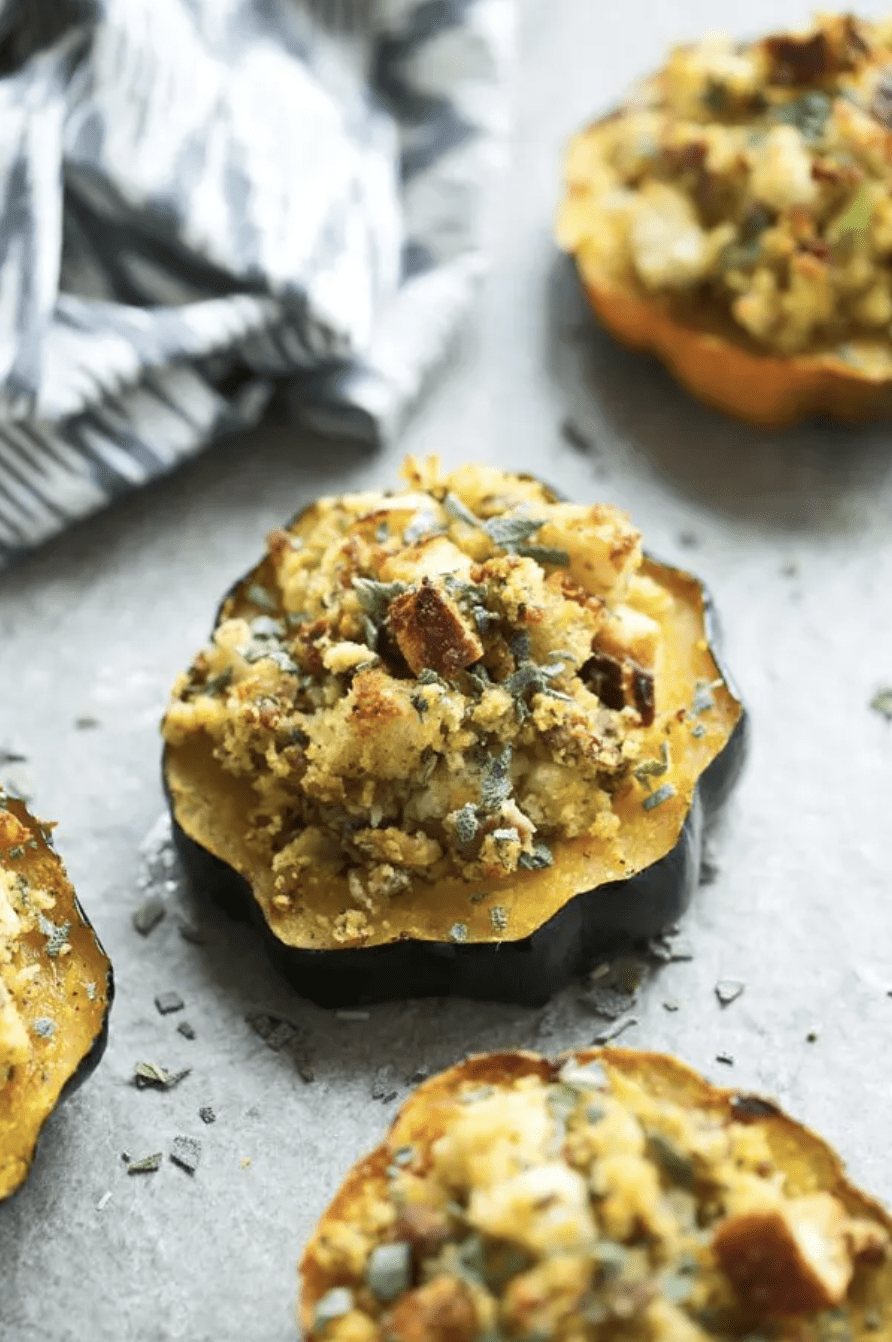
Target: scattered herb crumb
{"x": 726, "y": 1058}
{"x": 149, "y": 1074}
{"x": 811, "y": 1037}
{"x": 169, "y": 1002}
{"x": 85, "y": 723}
{"x": 186, "y": 1030}
{"x": 576, "y": 437}
{"x": 44, "y": 1027}
{"x": 245, "y": 1162}
{"x": 458, "y": 932}
{"x": 146, "y": 1165}
{"x": 615, "y": 1030}
{"x": 148, "y": 915}
{"x": 882, "y": 702}
{"x": 186, "y": 1152}
{"x": 206, "y": 1114}
{"x": 383, "y": 1087}
{"x": 670, "y": 1004}
{"x": 657, "y": 798}
{"x": 498, "y": 918}
{"x": 728, "y": 991}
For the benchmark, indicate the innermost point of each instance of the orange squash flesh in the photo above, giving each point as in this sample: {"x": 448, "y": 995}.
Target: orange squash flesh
{"x": 64, "y": 1006}
{"x": 718, "y": 365}
{"x": 805, "y": 1162}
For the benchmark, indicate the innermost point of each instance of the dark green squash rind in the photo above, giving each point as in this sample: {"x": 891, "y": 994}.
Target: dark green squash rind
{"x": 90, "y": 1060}
{"x": 528, "y": 971}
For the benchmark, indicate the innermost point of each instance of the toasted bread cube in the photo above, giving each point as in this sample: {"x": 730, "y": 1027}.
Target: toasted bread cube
{"x": 787, "y": 1259}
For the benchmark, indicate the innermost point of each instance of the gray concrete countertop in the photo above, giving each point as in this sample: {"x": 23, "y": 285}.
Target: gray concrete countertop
{"x": 793, "y": 532}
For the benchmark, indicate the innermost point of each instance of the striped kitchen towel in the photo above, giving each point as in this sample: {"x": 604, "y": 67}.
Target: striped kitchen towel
{"x": 201, "y": 198}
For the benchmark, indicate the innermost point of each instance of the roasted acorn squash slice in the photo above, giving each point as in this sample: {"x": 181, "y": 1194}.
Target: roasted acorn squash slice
{"x": 608, "y": 1193}
{"x": 517, "y": 935}
{"x": 55, "y": 989}
{"x": 730, "y": 217}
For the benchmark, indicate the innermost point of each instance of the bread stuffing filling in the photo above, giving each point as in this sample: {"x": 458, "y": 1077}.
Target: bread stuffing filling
{"x": 587, "y": 1209}
{"x": 437, "y": 683}
{"x": 751, "y": 179}
{"x": 27, "y": 932}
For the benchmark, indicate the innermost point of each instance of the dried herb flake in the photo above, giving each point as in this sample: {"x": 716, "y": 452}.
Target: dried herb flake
{"x": 146, "y": 1165}
{"x": 389, "y": 1270}
{"x": 186, "y": 1152}
{"x": 657, "y": 798}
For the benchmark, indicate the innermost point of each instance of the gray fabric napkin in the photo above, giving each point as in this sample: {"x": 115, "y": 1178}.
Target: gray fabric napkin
{"x": 200, "y": 198}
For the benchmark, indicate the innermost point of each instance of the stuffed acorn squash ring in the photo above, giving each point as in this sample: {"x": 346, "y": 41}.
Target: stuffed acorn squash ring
{"x": 607, "y": 1195}
{"x": 55, "y": 989}
{"x": 734, "y": 216}
{"x": 453, "y": 739}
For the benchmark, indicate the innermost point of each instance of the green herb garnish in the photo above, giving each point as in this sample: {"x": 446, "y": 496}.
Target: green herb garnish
{"x": 509, "y": 532}
{"x": 657, "y": 798}
{"x": 540, "y": 857}
{"x": 458, "y": 932}
{"x": 147, "y": 1165}
{"x": 455, "y": 508}
{"x": 544, "y": 554}
{"x": 186, "y": 1152}
{"x": 808, "y": 113}
{"x": 498, "y": 918}
{"x": 56, "y": 936}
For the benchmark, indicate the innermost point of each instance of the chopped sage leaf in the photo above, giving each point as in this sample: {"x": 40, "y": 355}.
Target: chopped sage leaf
{"x": 186, "y": 1152}
{"x": 56, "y": 936}
{"x": 507, "y": 835}
{"x": 703, "y": 699}
{"x": 698, "y": 730}
{"x": 375, "y": 597}
{"x": 496, "y": 785}
{"x": 334, "y": 1305}
{"x": 882, "y": 702}
{"x": 466, "y": 824}
{"x": 651, "y": 768}
{"x": 657, "y": 798}
{"x": 206, "y": 1114}
{"x": 424, "y": 523}
{"x": 388, "y": 1271}
{"x": 45, "y": 1027}
{"x": 544, "y": 554}
{"x": 498, "y": 918}
{"x": 427, "y": 676}
{"x": 676, "y": 1164}
{"x": 459, "y": 932}
{"x": 146, "y": 1165}
{"x": 508, "y": 532}
{"x": 148, "y": 915}
{"x": 808, "y": 113}
{"x": 455, "y": 508}
{"x": 540, "y": 857}
{"x": 149, "y": 1074}
{"x": 615, "y": 1030}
